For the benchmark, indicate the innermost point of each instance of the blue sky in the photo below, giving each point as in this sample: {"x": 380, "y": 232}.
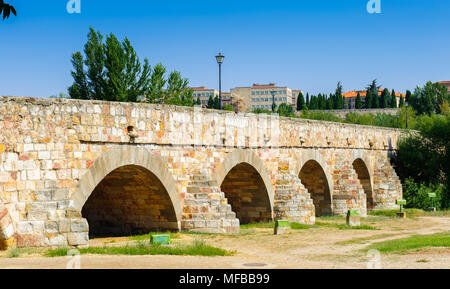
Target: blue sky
{"x": 303, "y": 44}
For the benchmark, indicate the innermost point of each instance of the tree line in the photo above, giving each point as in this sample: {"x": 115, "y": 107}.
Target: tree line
{"x": 336, "y": 100}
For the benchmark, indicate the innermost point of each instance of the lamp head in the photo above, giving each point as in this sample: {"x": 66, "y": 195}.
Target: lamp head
{"x": 220, "y": 58}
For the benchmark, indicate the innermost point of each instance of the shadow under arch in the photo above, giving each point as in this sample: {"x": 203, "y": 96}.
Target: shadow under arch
{"x": 362, "y": 166}
{"x": 313, "y": 171}
{"x": 138, "y": 164}
{"x": 246, "y": 183}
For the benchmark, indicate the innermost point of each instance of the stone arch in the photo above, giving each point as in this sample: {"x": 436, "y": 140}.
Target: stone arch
{"x": 134, "y": 160}
{"x": 247, "y": 186}
{"x": 313, "y": 171}
{"x": 6, "y": 229}
{"x": 362, "y": 166}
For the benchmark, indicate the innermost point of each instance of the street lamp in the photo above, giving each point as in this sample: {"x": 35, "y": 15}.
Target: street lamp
{"x": 406, "y": 109}
{"x": 273, "y": 101}
{"x": 220, "y": 59}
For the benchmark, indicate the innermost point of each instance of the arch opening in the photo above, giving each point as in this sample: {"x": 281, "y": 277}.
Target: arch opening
{"x": 364, "y": 178}
{"x": 314, "y": 179}
{"x": 247, "y": 194}
{"x": 129, "y": 200}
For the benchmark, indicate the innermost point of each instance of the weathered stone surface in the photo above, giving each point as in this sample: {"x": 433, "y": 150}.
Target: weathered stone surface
{"x": 66, "y": 165}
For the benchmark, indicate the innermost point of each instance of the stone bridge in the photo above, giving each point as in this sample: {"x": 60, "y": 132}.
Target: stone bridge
{"x": 71, "y": 169}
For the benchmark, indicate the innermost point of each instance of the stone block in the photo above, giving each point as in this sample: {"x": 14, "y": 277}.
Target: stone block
{"x": 78, "y": 238}
{"x": 79, "y": 225}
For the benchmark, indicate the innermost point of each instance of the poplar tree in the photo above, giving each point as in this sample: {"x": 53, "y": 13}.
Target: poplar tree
{"x": 393, "y": 99}
{"x": 368, "y": 99}
{"x": 358, "y": 104}
{"x": 301, "y": 102}
{"x": 384, "y": 98}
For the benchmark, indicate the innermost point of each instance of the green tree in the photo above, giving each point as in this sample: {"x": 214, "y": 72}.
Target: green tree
{"x": 373, "y": 87}
{"x": 177, "y": 88}
{"x": 110, "y": 71}
{"x": 313, "y": 103}
{"x": 301, "y": 105}
{"x": 401, "y": 102}
{"x": 156, "y": 93}
{"x": 393, "y": 102}
{"x": 429, "y": 98}
{"x": 286, "y": 110}
{"x": 384, "y": 98}
{"x": 216, "y": 102}
{"x": 6, "y": 9}
{"x": 358, "y": 104}
{"x": 308, "y": 105}
{"x": 338, "y": 94}
{"x": 210, "y": 102}
{"x": 330, "y": 103}
{"x": 425, "y": 156}
{"x": 375, "y": 100}
{"x": 368, "y": 99}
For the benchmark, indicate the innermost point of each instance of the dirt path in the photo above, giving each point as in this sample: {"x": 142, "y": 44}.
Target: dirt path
{"x": 323, "y": 247}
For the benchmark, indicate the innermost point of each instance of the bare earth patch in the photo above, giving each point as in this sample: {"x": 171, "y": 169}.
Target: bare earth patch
{"x": 317, "y": 247}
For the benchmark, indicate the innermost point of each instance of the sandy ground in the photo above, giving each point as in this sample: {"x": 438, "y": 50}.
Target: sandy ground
{"x": 322, "y": 247}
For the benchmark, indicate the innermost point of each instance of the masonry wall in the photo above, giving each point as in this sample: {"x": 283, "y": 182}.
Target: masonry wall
{"x": 48, "y": 148}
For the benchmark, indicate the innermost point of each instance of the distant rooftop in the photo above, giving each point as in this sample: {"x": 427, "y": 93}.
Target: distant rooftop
{"x": 362, "y": 93}
{"x": 201, "y": 88}
{"x": 270, "y": 85}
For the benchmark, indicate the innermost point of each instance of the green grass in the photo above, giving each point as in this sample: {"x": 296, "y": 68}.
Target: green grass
{"x": 268, "y": 225}
{"x": 298, "y": 226}
{"x": 363, "y": 240}
{"x": 345, "y": 226}
{"x": 14, "y": 253}
{"x": 147, "y": 236}
{"x": 411, "y": 213}
{"x": 197, "y": 248}
{"x": 393, "y": 213}
{"x": 412, "y": 243}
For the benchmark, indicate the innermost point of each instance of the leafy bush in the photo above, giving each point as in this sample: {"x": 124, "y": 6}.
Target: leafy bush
{"x": 416, "y": 195}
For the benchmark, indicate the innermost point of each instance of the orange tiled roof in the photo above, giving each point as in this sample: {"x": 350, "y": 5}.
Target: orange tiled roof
{"x": 445, "y": 82}
{"x": 199, "y": 88}
{"x": 362, "y": 93}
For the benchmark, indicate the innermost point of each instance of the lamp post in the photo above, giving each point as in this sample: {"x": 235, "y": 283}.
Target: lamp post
{"x": 220, "y": 59}
{"x": 406, "y": 109}
{"x": 273, "y": 100}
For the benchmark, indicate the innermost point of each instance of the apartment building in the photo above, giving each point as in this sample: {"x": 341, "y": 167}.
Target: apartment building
{"x": 204, "y": 94}
{"x": 260, "y": 96}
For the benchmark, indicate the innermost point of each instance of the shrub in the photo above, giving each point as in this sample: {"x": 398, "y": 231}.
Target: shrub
{"x": 416, "y": 195}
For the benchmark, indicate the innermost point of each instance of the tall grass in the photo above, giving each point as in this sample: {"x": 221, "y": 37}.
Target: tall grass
{"x": 196, "y": 248}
